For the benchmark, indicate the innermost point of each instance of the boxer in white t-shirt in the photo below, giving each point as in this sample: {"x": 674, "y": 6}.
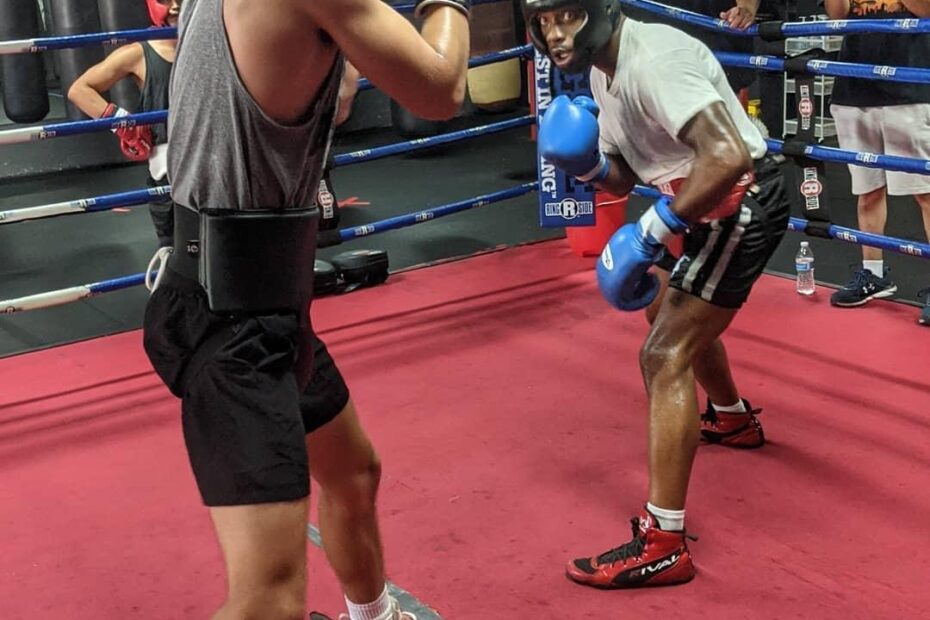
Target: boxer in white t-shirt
{"x": 663, "y": 113}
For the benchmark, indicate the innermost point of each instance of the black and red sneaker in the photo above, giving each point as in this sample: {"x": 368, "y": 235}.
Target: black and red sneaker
{"x": 653, "y": 558}
{"x": 736, "y": 430}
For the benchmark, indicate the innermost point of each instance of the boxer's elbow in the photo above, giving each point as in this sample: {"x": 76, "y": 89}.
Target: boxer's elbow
{"x": 458, "y": 94}
{"x": 74, "y": 92}
{"x": 448, "y": 97}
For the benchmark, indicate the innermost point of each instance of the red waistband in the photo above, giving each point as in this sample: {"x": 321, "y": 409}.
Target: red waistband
{"x": 727, "y": 207}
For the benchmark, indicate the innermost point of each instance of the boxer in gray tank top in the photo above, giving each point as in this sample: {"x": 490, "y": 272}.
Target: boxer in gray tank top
{"x": 253, "y": 99}
{"x": 247, "y": 160}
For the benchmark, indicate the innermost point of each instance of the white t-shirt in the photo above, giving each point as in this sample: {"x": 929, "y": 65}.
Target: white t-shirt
{"x": 663, "y": 78}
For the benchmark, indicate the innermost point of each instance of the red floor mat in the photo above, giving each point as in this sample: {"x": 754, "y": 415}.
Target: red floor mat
{"x": 505, "y": 401}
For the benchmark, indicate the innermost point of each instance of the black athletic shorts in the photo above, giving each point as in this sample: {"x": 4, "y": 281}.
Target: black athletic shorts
{"x": 722, "y": 259}
{"x": 243, "y": 414}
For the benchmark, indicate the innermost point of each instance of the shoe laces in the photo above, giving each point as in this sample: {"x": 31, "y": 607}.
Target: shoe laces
{"x": 632, "y": 549}
{"x": 709, "y": 416}
{"x": 860, "y": 279}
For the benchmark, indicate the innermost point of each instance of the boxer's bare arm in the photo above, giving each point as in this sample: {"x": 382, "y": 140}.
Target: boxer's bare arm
{"x": 721, "y": 158}
{"x": 85, "y": 91}
{"x": 424, "y": 72}
{"x": 621, "y": 179}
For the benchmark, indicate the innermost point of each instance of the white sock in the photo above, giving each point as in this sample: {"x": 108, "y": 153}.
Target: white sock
{"x": 378, "y": 609}
{"x": 669, "y": 520}
{"x": 875, "y": 266}
{"x": 739, "y": 407}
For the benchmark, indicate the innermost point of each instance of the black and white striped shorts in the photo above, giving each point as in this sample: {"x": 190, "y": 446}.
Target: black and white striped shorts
{"x": 723, "y": 259}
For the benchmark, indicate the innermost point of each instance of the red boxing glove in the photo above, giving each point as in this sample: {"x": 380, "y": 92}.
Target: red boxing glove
{"x": 730, "y": 203}
{"x": 135, "y": 142}
{"x": 113, "y": 110}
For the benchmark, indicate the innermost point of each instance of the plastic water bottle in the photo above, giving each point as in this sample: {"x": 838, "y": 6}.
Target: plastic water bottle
{"x": 804, "y": 265}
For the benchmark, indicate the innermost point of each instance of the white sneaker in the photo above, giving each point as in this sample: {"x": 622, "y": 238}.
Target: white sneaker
{"x": 396, "y": 613}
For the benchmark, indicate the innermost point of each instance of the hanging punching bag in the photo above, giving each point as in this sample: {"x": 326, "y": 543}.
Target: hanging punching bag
{"x": 123, "y": 15}
{"x": 72, "y": 17}
{"x": 25, "y": 97}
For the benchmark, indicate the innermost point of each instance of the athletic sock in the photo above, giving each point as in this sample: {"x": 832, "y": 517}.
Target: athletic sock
{"x": 875, "y": 266}
{"x": 669, "y": 520}
{"x": 379, "y": 609}
{"x": 739, "y": 407}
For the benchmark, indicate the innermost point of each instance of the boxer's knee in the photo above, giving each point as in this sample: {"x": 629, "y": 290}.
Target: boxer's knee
{"x": 344, "y": 463}
{"x": 662, "y": 353}
{"x": 282, "y": 598}
{"x": 356, "y": 490}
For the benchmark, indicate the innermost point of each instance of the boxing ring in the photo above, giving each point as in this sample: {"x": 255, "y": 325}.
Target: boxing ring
{"x": 504, "y": 399}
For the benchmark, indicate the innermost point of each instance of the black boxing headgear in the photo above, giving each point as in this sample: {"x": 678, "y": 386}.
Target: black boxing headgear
{"x": 594, "y": 34}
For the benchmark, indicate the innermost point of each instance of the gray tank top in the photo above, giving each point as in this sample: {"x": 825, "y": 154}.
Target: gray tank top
{"x": 224, "y": 152}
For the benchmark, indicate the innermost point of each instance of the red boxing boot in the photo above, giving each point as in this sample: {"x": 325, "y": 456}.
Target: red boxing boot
{"x": 653, "y": 558}
{"x": 736, "y": 430}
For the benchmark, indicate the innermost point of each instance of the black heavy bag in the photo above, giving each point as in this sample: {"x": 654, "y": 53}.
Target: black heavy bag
{"x": 409, "y": 126}
{"x": 123, "y": 15}
{"x": 25, "y": 97}
{"x": 71, "y": 17}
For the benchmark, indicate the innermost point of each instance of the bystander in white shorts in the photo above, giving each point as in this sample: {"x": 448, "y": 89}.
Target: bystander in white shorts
{"x": 902, "y": 130}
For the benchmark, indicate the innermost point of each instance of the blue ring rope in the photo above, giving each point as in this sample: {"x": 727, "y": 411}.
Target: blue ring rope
{"x": 789, "y": 29}
{"x": 422, "y": 143}
{"x": 858, "y": 237}
{"x": 855, "y": 26}
{"x": 840, "y": 233}
{"x": 690, "y": 17}
{"x": 426, "y": 215}
{"x": 105, "y": 124}
{"x": 72, "y": 128}
{"x": 867, "y": 160}
{"x": 910, "y": 75}
{"x": 118, "y": 37}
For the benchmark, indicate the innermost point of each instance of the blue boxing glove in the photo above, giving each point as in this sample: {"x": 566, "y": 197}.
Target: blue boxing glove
{"x": 623, "y": 269}
{"x": 568, "y": 137}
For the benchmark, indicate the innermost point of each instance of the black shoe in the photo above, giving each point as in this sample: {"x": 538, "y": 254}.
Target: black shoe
{"x": 863, "y": 287}
{"x": 925, "y": 313}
